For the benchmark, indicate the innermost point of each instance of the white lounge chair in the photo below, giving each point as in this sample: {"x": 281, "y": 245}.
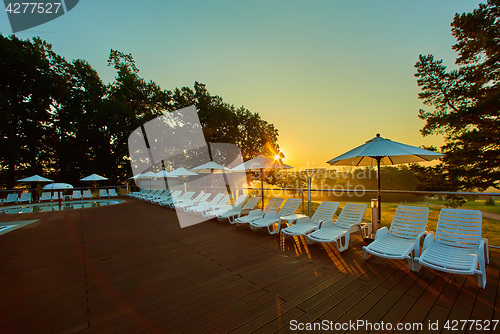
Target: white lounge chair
{"x": 457, "y": 247}
{"x": 272, "y": 207}
{"x": 304, "y": 225}
{"x": 218, "y": 210}
{"x": 103, "y": 193}
{"x": 224, "y": 201}
{"x": 55, "y": 196}
{"x": 169, "y": 198}
{"x": 349, "y": 221}
{"x": 112, "y": 192}
{"x": 238, "y": 212}
{"x": 45, "y": 196}
{"x": 25, "y": 197}
{"x": 87, "y": 194}
{"x": 203, "y": 205}
{"x": 270, "y": 220}
{"x": 163, "y": 195}
{"x": 187, "y": 196}
{"x": 402, "y": 240}
{"x": 11, "y": 198}
{"x": 185, "y": 205}
{"x": 77, "y": 194}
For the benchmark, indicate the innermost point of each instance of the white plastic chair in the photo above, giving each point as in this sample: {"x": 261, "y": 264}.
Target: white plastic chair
{"x": 237, "y": 212}
{"x": 45, "y": 196}
{"x": 87, "y": 194}
{"x": 112, "y": 193}
{"x": 77, "y": 194}
{"x": 103, "y": 193}
{"x": 55, "y": 195}
{"x": 304, "y": 225}
{"x": 270, "y": 220}
{"x": 11, "y": 198}
{"x": 272, "y": 207}
{"x": 349, "y": 221}
{"x": 25, "y": 197}
{"x": 402, "y": 240}
{"x": 457, "y": 247}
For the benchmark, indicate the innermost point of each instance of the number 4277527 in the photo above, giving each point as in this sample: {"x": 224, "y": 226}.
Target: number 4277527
{"x": 33, "y": 7}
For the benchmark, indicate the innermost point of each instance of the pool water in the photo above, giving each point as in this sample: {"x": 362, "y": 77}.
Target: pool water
{"x": 54, "y": 206}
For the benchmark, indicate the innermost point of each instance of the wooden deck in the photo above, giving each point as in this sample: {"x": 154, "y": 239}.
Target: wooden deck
{"x": 130, "y": 268}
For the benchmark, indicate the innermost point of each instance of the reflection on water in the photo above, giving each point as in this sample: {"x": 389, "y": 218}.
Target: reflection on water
{"x": 45, "y": 207}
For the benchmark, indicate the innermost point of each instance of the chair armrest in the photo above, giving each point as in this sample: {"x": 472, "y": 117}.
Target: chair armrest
{"x": 484, "y": 251}
{"x": 417, "y": 243}
{"x": 429, "y": 239}
{"x": 302, "y": 220}
{"x": 329, "y": 222}
{"x": 381, "y": 232}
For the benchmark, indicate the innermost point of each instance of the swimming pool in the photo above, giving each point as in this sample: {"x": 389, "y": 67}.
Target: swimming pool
{"x": 54, "y": 206}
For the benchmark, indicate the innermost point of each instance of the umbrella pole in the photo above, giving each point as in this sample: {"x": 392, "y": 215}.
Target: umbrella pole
{"x": 378, "y": 193}
{"x": 262, "y": 186}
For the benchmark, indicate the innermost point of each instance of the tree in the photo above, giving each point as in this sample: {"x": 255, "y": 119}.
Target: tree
{"x": 28, "y": 90}
{"x": 466, "y": 104}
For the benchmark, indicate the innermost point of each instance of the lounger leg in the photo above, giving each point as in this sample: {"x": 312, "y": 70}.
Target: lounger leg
{"x": 481, "y": 278}
{"x": 366, "y": 255}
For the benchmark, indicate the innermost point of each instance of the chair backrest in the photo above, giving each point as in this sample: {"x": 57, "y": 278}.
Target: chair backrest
{"x": 352, "y": 213}
{"x": 12, "y": 197}
{"x": 45, "y": 196}
{"x": 274, "y": 204}
{"x": 176, "y": 194}
{"x": 409, "y": 221}
{"x": 25, "y": 196}
{"x": 325, "y": 211}
{"x": 290, "y": 207}
{"x": 205, "y": 197}
{"x": 216, "y": 199}
{"x": 103, "y": 192}
{"x": 56, "y": 195}
{"x": 198, "y": 197}
{"x": 224, "y": 200}
{"x": 87, "y": 193}
{"x": 77, "y": 193}
{"x": 252, "y": 202}
{"x": 187, "y": 195}
{"x": 240, "y": 201}
{"x": 459, "y": 228}
{"x": 112, "y": 192}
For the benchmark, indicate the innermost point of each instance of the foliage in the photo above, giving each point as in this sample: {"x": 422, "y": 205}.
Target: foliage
{"x": 58, "y": 118}
{"x": 466, "y": 104}
{"x": 490, "y": 201}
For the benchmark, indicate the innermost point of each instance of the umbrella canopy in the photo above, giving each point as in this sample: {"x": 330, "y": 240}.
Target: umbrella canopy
{"x": 181, "y": 172}
{"x": 162, "y": 173}
{"x": 94, "y": 177}
{"x": 58, "y": 186}
{"x": 210, "y": 167}
{"x": 35, "y": 178}
{"x": 260, "y": 163}
{"x": 383, "y": 151}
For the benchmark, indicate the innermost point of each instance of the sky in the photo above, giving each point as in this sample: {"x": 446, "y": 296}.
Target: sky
{"x": 329, "y": 75}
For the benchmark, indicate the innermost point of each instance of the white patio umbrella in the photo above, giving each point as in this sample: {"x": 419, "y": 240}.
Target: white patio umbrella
{"x": 261, "y": 163}
{"x": 180, "y": 172}
{"x": 35, "y": 179}
{"x": 212, "y": 168}
{"x": 59, "y": 187}
{"x": 383, "y": 151}
{"x": 94, "y": 178}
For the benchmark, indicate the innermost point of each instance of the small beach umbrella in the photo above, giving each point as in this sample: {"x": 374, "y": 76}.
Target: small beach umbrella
{"x": 59, "y": 187}
{"x": 181, "y": 172}
{"x": 212, "y": 168}
{"x": 94, "y": 178}
{"x": 383, "y": 151}
{"x": 35, "y": 179}
{"x": 261, "y": 163}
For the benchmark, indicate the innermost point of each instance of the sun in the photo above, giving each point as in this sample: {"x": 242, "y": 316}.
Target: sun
{"x": 277, "y": 157}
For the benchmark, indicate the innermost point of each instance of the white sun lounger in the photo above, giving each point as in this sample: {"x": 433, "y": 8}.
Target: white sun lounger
{"x": 238, "y": 212}
{"x": 11, "y": 198}
{"x": 270, "y": 220}
{"x": 77, "y": 194}
{"x": 304, "y": 225}
{"x": 349, "y": 221}
{"x": 202, "y": 205}
{"x": 402, "y": 240}
{"x": 25, "y": 197}
{"x": 272, "y": 207}
{"x": 45, "y": 196}
{"x": 457, "y": 247}
{"x": 103, "y": 193}
{"x": 216, "y": 211}
{"x": 87, "y": 194}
